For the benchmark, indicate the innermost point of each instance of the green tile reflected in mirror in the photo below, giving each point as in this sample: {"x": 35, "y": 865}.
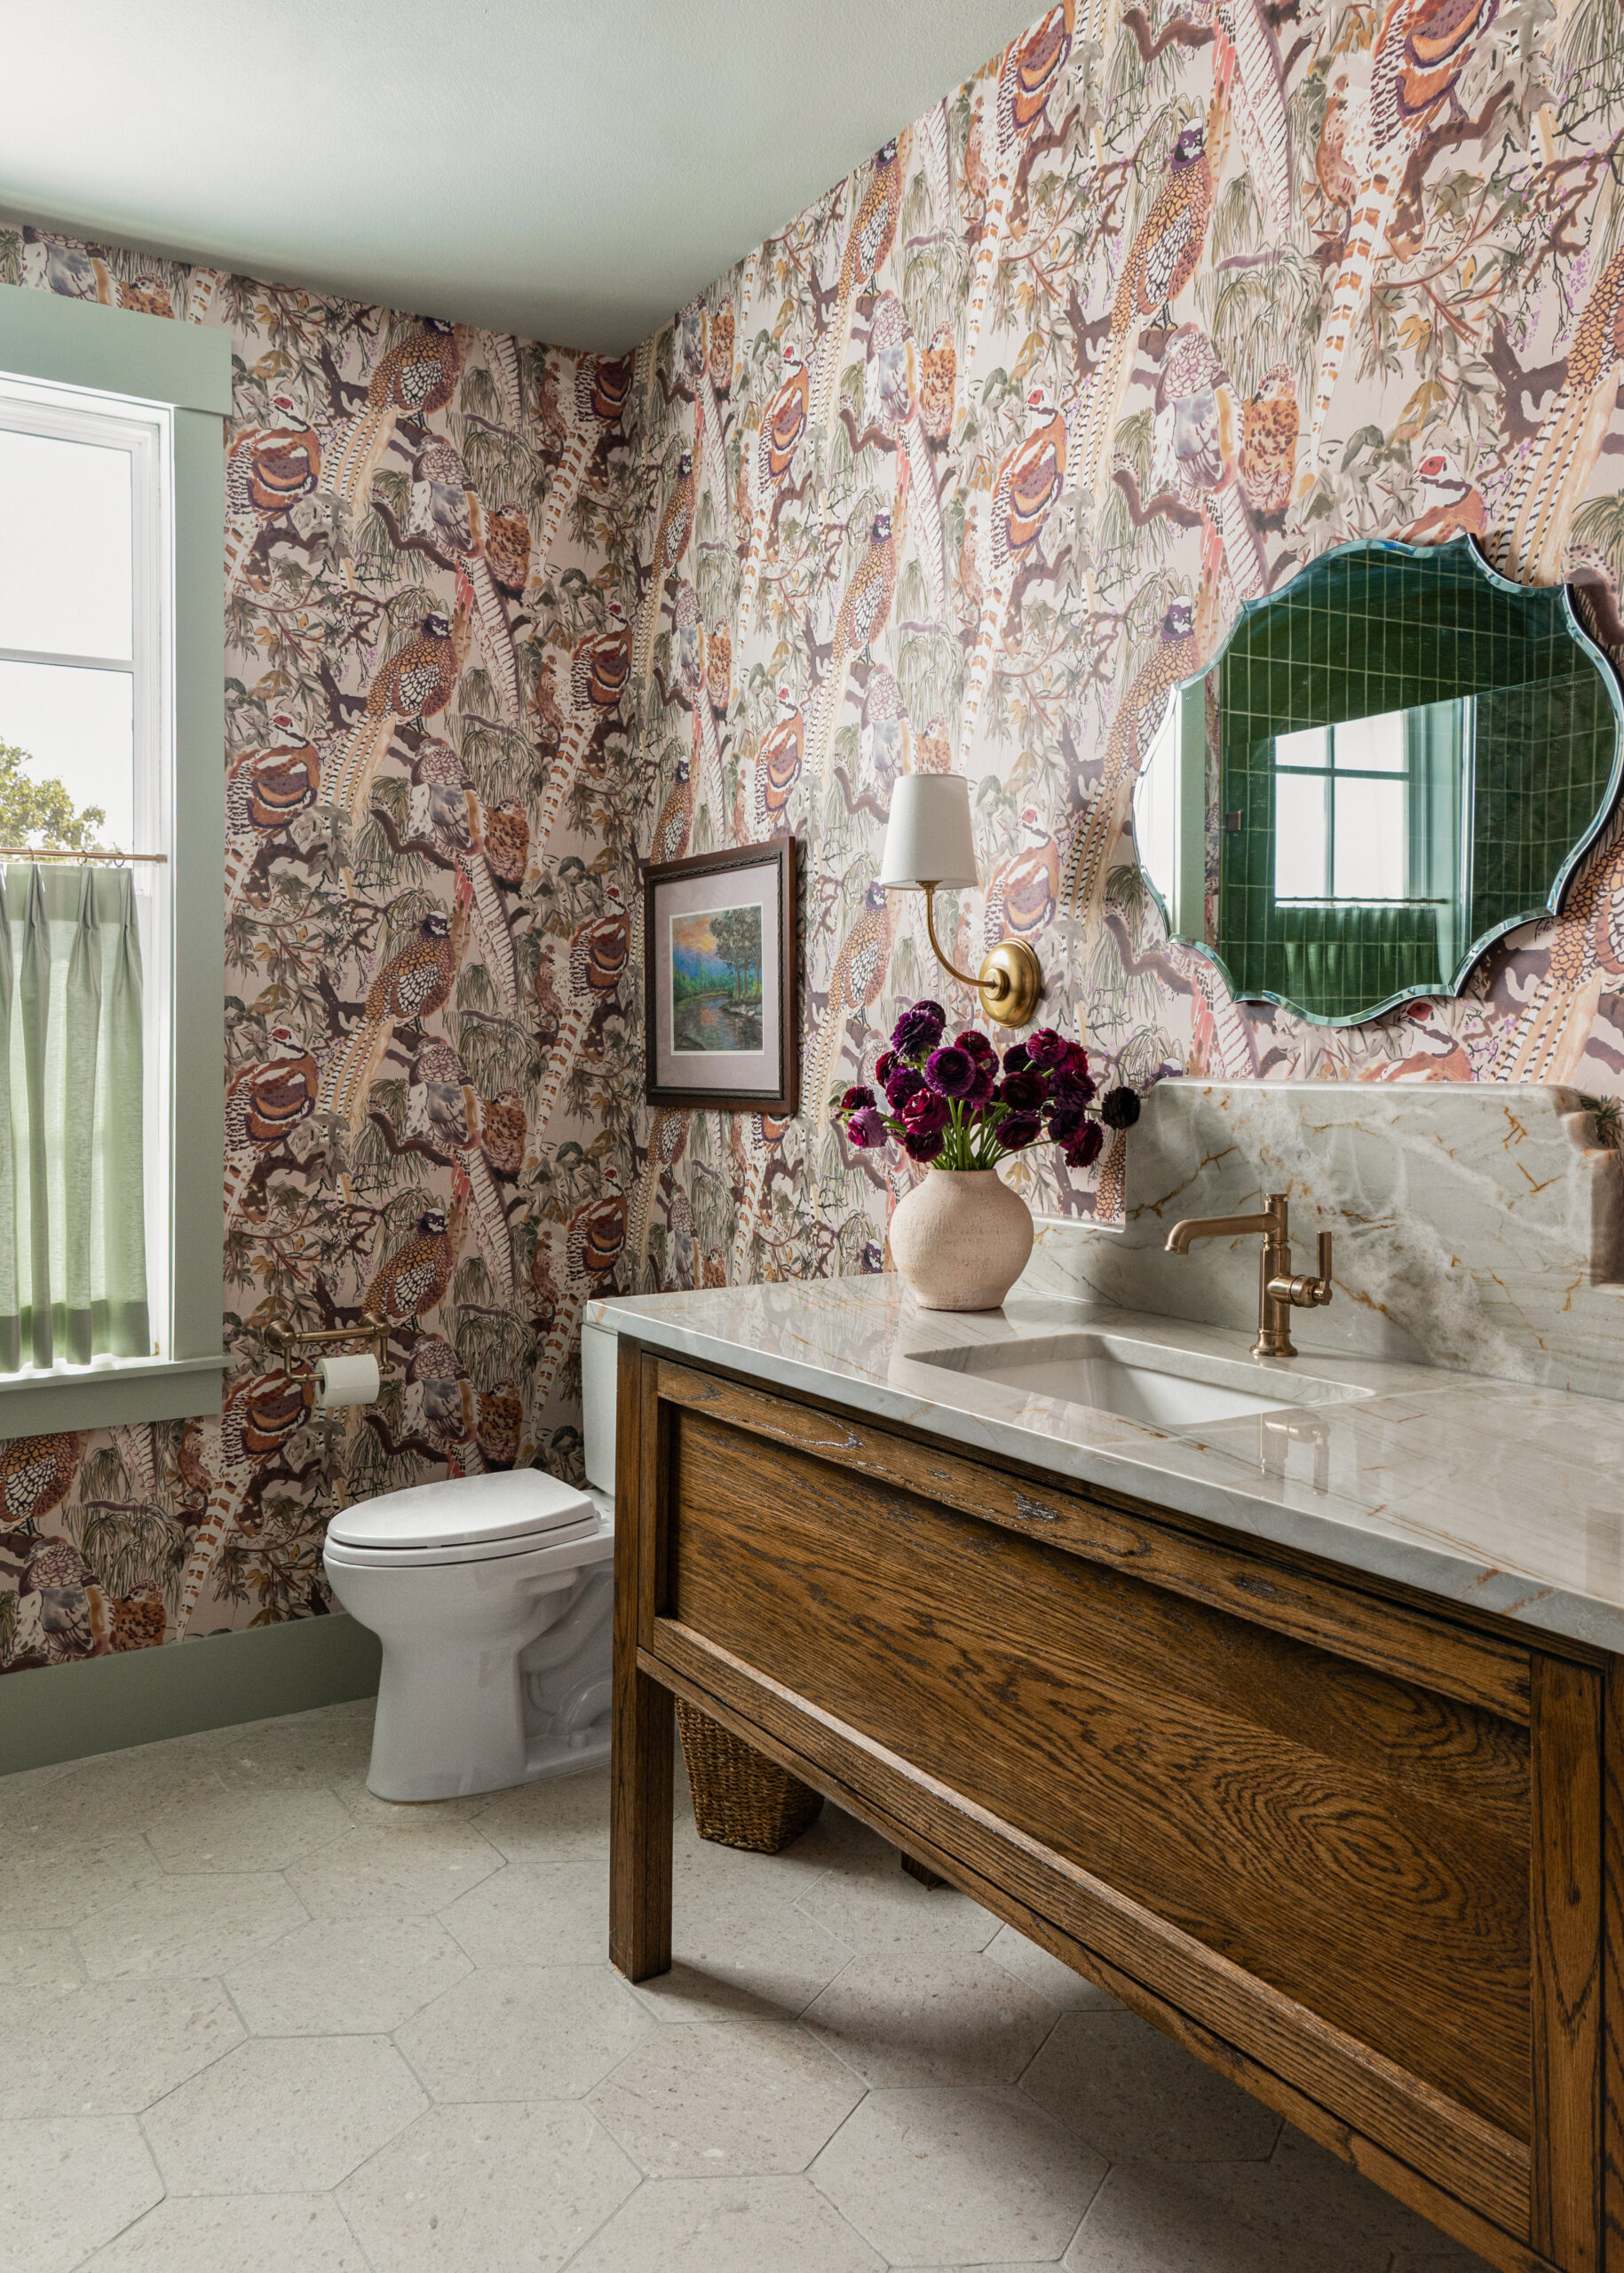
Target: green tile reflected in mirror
{"x": 1390, "y": 762}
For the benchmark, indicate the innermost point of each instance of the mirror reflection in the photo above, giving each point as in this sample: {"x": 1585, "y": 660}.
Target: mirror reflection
{"x": 1391, "y": 763}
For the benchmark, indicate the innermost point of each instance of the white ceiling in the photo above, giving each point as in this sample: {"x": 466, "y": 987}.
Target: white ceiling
{"x": 569, "y": 169}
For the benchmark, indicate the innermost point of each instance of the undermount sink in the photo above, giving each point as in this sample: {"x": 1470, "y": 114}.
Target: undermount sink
{"x": 1140, "y": 1380}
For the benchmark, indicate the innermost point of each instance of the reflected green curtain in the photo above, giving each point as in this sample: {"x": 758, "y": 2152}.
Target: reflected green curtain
{"x": 73, "y": 1233}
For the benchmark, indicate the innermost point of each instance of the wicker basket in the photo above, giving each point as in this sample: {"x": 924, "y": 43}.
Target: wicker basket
{"x": 740, "y": 1798}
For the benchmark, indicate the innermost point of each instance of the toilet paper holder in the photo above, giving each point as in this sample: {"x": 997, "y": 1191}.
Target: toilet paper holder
{"x": 285, "y": 1339}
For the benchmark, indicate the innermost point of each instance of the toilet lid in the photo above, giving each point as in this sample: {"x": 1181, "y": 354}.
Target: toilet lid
{"x": 510, "y": 1504}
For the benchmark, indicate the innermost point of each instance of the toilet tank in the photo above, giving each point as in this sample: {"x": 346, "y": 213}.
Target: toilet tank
{"x": 600, "y": 1365}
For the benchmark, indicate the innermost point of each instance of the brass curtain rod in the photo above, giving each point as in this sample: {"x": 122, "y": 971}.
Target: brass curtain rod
{"x": 21, "y": 853}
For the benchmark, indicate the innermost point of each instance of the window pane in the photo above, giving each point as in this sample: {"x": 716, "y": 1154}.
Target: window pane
{"x": 1372, "y": 745}
{"x": 1372, "y": 840}
{"x": 1309, "y": 746}
{"x": 1299, "y": 836}
{"x": 75, "y": 726}
{"x": 64, "y": 546}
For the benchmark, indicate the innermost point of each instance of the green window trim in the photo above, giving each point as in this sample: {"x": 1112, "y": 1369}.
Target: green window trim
{"x": 186, "y": 369}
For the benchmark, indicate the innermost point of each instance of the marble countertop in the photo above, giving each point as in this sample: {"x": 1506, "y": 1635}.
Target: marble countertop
{"x": 1488, "y": 1494}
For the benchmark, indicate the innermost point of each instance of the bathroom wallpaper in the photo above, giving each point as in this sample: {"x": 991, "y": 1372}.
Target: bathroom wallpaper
{"x": 430, "y": 1061}
{"x": 980, "y": 455}
{"x": 966, "y": 467}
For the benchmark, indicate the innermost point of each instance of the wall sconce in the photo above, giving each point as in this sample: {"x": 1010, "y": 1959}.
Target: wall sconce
{"x": 930, "y": 847}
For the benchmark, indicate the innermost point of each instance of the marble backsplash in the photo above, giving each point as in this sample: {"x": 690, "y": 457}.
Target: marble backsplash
{"x": 1479, "y": 1228}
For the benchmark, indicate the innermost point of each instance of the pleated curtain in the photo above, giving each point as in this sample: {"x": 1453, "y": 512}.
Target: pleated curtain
{"x": 72, "y": 1239}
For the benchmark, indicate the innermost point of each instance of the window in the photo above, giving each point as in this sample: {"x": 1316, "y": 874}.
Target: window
{"x": 112, "y": 682}
{"x": 1343, "y": 812}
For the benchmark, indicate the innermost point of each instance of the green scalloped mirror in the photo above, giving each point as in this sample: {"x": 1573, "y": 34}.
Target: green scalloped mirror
{"x": 1390, "y": 762}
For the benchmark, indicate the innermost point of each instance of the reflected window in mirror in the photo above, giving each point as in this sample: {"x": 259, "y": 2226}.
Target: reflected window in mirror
{"x": 1391, "y": 763}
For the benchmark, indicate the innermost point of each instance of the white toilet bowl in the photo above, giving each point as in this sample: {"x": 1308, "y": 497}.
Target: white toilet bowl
{"x": 491, "y": 1597}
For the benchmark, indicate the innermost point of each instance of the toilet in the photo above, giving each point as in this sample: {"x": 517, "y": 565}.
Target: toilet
{"x": 491, "y": 1597}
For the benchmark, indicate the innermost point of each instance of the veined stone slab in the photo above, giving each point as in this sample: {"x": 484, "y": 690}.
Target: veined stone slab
{"x": 1479, "y": 1227}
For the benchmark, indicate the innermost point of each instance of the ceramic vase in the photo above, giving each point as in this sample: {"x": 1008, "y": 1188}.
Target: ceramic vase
{"x": 961, "y": 1239}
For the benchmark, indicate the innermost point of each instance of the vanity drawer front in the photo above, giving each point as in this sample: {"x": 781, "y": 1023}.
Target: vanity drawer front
{"x": 1356, "y": 1841}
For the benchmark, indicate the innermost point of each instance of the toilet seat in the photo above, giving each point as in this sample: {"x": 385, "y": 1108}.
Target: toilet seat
{"x": 469, "y": 1519}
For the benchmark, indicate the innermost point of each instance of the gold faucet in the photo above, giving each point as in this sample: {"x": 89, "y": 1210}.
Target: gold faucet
{"x": 1278, "y": 1291}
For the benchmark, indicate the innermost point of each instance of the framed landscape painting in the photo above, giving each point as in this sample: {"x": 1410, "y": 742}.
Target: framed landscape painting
{"x": 721, "y": 979}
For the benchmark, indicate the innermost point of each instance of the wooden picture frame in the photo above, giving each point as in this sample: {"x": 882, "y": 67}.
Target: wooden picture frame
{"x": 721, "y": 1003}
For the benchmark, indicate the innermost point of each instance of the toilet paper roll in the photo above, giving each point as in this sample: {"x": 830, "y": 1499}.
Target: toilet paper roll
{"x": 346, "y": 1381}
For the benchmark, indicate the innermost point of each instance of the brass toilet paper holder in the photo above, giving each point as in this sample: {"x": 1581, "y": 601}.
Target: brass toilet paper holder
{"x": 286, "y": 1339}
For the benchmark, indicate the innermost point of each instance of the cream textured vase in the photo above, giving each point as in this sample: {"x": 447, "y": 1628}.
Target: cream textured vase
{"x": 961, "y": 1239}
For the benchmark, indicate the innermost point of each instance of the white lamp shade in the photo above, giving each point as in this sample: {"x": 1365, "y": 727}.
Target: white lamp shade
{"x": 928, "y": 838}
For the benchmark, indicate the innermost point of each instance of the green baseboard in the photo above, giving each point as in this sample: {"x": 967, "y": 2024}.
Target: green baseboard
{"x": 56, "y": 1712}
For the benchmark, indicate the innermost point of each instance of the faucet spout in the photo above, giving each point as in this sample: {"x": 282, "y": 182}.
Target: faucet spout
{"x": 1214, "y": 1227}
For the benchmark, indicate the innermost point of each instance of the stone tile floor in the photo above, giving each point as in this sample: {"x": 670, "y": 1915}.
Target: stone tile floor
{"x": 253, "y": 2018}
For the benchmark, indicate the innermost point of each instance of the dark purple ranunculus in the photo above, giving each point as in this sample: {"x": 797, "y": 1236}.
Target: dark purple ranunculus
{"x": 975, "y": 1041}
{"x": 884, "y": 1066}
{"x": 918, "y": 1029}
{"x": 866, "y": 1130}
{"x": 902, "y": 1084}
{"x": 1066, "y": 1119}
{"x": 1045, "y": 1047}
{"x": 924, "y": 1113}
{"x": 923, "y": 1145}
{"x": 1120, "y": 1108}
{"x": 1016, "y": 1057}
{"x": 1066, "y": 1081}
{"x": 984, "y": 1089}
{"x": 1024, "y": 1089}
{"x": 1019, "y": 1129}
{"x": 856, "y": 1097}
{"x": 951, "y": 1073}
{"x": 1086, "y": 1149}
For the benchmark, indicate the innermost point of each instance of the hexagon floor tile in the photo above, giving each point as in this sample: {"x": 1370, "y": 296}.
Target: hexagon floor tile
{"x": 1134, "y": 2095}
{"x": 109, "y": 2050}
{"x": 516, "y": 2186}
{"x": 257, "y": 2233}
{"x": 727, "y": 2225}
{"x": 340, "y": 1977}
{"x": 842, "y": 2072}
{"x": 283, "y": 2114}
{"x": 523, "y": 2031}
{"x": 752, "y": 2096}
{"x": 961, "y": 2176}
{"x": 71, "y": 2183}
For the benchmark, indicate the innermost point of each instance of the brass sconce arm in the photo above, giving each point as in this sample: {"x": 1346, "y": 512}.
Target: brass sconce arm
{"x": 1010, "y": 981}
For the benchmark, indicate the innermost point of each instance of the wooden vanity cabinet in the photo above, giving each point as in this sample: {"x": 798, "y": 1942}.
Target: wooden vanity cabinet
{"x": 1361, "y": 1853}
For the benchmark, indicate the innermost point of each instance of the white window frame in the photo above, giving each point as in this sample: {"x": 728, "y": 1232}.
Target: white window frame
{"x": 171, "y": 382}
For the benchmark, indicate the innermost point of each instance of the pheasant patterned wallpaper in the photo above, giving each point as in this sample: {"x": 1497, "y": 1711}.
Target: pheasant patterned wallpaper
{"x": 430, "y": 559}
{"x": 979, "y": 456}
{"x": 965, "y": 467}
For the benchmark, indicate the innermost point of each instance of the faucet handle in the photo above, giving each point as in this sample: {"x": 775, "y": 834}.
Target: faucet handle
{"x": 1304, "y": 1293}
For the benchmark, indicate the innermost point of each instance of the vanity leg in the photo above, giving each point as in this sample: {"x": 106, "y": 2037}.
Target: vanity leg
{"x": 921, "y": 1872}
{"x": 641, "y": 1758}
{"x": 640, "y": 1829}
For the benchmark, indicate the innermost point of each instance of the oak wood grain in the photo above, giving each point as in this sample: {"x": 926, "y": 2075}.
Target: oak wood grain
{"x": 1567, "y": 1985}
{"x": 1234, "y": 1781}
{"x": 1458, "y": 1661}
{"x": 640, "y": 1825}
{"x": 1612, "y": 1980}
{"x": 1404, "y": 2126}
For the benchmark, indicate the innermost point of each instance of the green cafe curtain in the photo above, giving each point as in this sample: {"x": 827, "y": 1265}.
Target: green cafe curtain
{"x": 73, "y": 1234}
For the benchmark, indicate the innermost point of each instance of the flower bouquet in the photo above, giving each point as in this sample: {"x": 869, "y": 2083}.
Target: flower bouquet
{"x": 960, "y": 1239}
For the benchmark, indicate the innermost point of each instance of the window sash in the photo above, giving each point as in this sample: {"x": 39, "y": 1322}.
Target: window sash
{"x": 144, "y": 432}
